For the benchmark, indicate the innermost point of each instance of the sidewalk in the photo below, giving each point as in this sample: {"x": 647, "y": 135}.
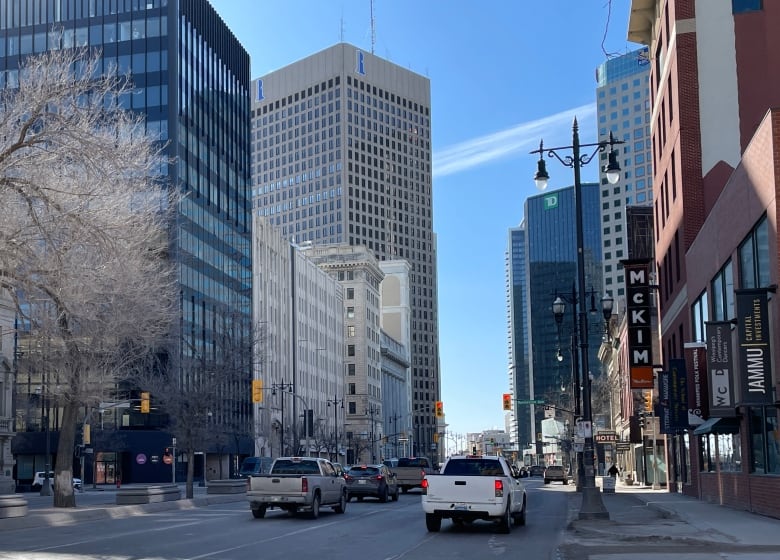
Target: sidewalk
{"x": 100, "y": 503}
{"x": 653, "y": 524}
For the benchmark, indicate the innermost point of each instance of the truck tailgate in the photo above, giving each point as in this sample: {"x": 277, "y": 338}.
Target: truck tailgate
{"x": 462, "y": 489}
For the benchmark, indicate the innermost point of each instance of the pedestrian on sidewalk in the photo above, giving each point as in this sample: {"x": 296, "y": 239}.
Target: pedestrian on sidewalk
{"x": 613, "y": 471}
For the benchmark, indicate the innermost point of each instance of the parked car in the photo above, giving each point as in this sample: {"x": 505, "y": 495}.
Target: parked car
{"x": 536, "y": 470}
{"x": 555, "y": 472}
{"x": 39, "y": 479}
{"x": 377, "y": 481}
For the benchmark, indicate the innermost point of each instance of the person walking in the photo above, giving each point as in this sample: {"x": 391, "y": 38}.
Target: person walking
{"x": 613, "y": 471}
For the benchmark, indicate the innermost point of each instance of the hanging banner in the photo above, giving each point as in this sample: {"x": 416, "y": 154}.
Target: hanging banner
{"x": 720, "y": 367}
{"x": 754, "y": 349}
{"x": 696, "y": 365}
{"x": 640, "y": 342}
{"x": 664, "y": 399}
{"x": 678, "y": 395}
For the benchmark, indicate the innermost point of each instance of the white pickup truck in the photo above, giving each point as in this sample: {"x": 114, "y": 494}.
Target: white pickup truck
{"x": 471, "y": 488}
{"x": 297, "y": 484}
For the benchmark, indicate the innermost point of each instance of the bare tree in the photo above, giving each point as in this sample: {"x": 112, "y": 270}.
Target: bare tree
{"x": 83, "y": 240}
{"x": 206, "y": 391}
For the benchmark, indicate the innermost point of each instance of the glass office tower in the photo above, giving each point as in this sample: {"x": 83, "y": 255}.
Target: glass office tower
{"x": 192, "y": 81}
{"x": 551, "y": 250}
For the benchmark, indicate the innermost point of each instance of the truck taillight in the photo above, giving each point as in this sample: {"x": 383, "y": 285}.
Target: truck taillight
{"x": 424, "y": 485}
{"x": 499, "y": 487}
{"x": 304, "y": 484}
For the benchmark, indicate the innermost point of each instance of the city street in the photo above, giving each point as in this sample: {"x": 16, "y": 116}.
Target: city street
{"x": 228, "y": 531}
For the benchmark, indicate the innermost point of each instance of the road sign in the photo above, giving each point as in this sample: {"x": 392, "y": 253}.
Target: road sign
{"x": 530, "y": 401}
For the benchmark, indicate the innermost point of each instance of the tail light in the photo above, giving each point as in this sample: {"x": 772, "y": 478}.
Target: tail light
{"x": 379, "y": 477}
{"x": 424, "y": 485}
{"x": 347, "y": 477}
{"x": 304, "y": 484}
{"x": 498, "y": 485}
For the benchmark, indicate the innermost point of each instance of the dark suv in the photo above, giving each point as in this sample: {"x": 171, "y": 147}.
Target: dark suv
{"x": 377, "y": 481}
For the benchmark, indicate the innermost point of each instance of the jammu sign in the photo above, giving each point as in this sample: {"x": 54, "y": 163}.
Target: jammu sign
{"x": 754, "y": 349}
{"x": 640, "y": 342}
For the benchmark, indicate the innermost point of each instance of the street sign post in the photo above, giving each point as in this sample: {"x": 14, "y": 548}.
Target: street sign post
{"x": 530, "y": 401}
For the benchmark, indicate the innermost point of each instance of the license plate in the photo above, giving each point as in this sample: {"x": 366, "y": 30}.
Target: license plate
{"x": 361, "y": 481}
{"x": 461, "y": 507}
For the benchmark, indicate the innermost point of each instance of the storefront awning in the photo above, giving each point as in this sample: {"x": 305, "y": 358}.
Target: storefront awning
{"x": 718, "y": 426}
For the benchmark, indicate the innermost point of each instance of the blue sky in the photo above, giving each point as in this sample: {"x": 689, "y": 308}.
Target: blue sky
{"x": 504, "y": 74}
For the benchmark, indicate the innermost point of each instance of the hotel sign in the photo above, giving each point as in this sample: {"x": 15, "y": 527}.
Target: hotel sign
{"x": 720, "y": 365}
{"x": 640, "y": 342}
{"x": 754, "y": 350}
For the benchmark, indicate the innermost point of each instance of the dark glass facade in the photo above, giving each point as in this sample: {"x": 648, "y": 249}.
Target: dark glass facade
{"x": 552, "y": 271}
{"x": 192, "y": 81}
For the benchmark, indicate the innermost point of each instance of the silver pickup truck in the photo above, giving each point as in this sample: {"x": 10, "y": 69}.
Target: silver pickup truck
{"x": 297, "y": 484}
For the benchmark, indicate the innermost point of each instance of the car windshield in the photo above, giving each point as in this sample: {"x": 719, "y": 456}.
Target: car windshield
{"x": 413, "y": 462}
{"x": 364, "y": 471}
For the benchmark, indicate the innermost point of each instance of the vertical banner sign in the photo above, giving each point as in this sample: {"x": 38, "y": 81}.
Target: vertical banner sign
{"x": 720, "y": 365}
{"x": 695, "y": 362}
{"x": 640, "y": 342}
{"x": 678, "y": 394}
{"x": 664, "y": 398}
{"x": 754, "y": 351}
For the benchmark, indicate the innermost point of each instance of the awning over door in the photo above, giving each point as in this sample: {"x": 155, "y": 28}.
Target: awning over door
{"x": 718, "y": 426}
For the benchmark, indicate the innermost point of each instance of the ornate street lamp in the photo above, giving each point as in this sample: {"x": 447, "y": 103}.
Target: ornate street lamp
{"x": 592, "y": 505}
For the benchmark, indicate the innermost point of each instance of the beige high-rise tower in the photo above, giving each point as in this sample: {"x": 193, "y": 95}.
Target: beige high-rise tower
{"x": 342, "y": 154}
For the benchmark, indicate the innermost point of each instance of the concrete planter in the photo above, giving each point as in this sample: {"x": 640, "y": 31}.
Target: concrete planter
{"x": 12, "y": 505}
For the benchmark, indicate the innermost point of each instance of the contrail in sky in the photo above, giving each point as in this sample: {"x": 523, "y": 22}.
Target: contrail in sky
{"x": 522, "y": 137}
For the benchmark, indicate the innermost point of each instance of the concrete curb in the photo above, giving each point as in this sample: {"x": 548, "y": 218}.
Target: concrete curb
{"x": 58, "y": 517}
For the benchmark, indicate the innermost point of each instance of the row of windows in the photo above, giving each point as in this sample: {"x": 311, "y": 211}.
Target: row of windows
{"x": 623, "y": 87}
{"x": 723, "y": 452}
{"x": 35, "y": 12}
{"x": 754, "y": 271}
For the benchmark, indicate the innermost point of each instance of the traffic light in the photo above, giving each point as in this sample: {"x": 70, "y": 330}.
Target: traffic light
{"x": 435, "y": 437}
{"x": 145, "y": 405}
{"x": 85, "y": 437}
{"x": 507, "y": 401}
{"x": 642, "y": 422}
{"x": 439, "y": 409}
{"x": 648, "y": 396}
{"x": 257, "y": 390}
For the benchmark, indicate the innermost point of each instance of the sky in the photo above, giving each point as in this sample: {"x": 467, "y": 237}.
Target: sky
{"x": 504, "y": 74}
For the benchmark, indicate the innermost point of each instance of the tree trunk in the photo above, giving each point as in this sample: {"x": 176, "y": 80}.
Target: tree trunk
{"x": 190, "y": 473}
{"x": 63, "y": 472}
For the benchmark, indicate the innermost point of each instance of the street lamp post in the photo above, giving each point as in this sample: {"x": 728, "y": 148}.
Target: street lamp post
{"x": 283, "y": 387}
{"x": 592, "y": 505}
{"x": 335, "y": 401}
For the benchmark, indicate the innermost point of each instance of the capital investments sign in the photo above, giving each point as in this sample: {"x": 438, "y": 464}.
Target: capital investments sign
{"x": 754, "y": 350}
{"x": 720, "y": 364}
{"x": 640, "y": 344}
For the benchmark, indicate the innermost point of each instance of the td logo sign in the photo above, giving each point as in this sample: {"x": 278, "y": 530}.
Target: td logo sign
{"x": 550, "y": 202}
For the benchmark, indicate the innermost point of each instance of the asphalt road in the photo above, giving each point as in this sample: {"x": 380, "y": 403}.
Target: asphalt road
{"x": 228, "y": 531}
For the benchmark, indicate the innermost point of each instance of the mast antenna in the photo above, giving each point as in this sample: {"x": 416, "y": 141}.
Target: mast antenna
{"x": 373, "y": 28}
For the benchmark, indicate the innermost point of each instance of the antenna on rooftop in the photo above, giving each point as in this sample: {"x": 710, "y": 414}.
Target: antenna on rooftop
{"x": 373, "y": 28}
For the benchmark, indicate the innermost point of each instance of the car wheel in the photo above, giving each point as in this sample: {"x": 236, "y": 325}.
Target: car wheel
{"x": 383, "y": 495}
{"x": 36, "y": 487}
{"x": 315, "y": 507}
{"x": 342, "y": 507}
{"x": 404, "y": 489}
{"x": 546, "y": 481}
{"x": 565, "y": 482}
{"x": 519, "y": 518}
{"x": 505, "y": 523}
{"x": 433, "y": 522}
{"x": 258, "y": 513}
